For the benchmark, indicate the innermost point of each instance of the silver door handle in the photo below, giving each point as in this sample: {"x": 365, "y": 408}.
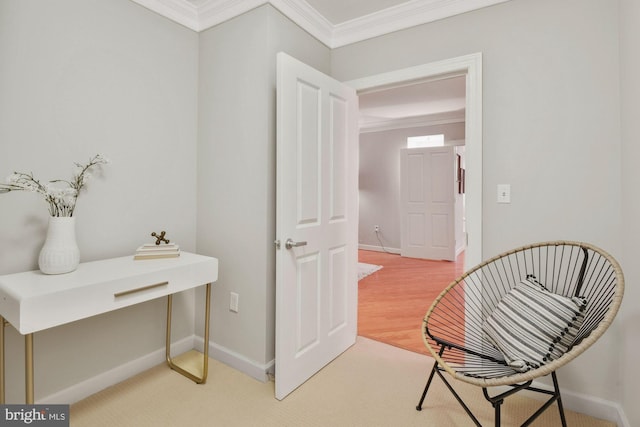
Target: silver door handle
{"x": 291, "y": 244}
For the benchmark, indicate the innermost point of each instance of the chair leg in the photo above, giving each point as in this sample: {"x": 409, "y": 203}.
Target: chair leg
{"x": 496, "y": 406}
{"x": 497, "y": 401}
{"x": 459, "y": 399}
{"x": 426, "y": 388}
{"x": 559, "y": 399}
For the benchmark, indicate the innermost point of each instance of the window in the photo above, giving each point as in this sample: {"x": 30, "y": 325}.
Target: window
{"x": 425, "y": 141}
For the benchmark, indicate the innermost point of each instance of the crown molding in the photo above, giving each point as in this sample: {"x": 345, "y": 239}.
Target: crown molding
{"x": 203, "y": 14}
{"x": 181, "y": 11}
{"x": 307, "y": 18}
{"x": 214, "y": 12}
{"x": 450, "y": 117}
{"x": 402, "y": 16}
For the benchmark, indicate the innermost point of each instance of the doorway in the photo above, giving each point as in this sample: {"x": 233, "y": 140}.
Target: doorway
{"x": 469, "y": 69}
{"x": 390, "y": 120}
{"x": 469, "y": 66}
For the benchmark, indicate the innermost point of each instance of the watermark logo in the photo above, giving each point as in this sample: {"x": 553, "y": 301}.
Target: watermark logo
{"x": 34, "y": 415}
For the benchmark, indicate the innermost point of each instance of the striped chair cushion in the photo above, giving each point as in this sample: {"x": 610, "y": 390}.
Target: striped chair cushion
{"x": 532, "y": 326}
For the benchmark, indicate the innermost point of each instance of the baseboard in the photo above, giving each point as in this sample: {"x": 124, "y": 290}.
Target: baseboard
{"x": 585, "y": 404}
{"x": 237, "y": 361}
{"x": 622, "y": 420}
{"x": 595, "y": 407}
{"x": 118, "y": 374}
{"x": 379, "y": 249}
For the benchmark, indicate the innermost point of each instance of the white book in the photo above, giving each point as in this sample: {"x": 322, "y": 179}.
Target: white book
{"x": 150, "y": 247}
{"x": 140, "y": 256}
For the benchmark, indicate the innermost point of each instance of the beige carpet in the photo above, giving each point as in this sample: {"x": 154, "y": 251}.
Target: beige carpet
{"x": 371, "y": 384}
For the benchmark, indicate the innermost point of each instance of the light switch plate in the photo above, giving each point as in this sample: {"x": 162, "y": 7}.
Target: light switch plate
{"x": 233, "y": 302}
{"x": 504, "y": 193}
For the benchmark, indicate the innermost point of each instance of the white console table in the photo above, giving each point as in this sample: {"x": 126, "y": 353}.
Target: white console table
{"x": 33, "y": 301}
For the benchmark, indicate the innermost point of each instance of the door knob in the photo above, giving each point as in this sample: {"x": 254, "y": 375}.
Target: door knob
{"x": 291, "y": 244}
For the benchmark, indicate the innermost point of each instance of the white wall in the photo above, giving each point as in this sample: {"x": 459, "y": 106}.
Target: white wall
{"x": 630, "y": 314}
{"x": 379, "y": 180}
{"x": 79, "y": 77}
{"x": 86, "y": 76}
{"x": 236, "y": 175}
{"x": 550, "y": 129}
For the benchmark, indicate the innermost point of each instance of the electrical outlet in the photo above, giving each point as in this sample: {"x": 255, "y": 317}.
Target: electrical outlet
{"x": 504, "y": 193}
{"x": 376, "y": 228}
{"x": 233, "y": 302}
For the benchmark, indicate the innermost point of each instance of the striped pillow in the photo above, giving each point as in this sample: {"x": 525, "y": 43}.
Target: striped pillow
{"x": 532, "y": 326}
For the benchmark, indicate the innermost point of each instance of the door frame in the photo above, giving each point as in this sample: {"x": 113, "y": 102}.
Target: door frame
{"x": 471, "y": 67}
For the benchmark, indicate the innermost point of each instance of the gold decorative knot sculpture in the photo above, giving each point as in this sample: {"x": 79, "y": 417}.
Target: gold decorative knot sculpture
{"x": 160, "y": 237}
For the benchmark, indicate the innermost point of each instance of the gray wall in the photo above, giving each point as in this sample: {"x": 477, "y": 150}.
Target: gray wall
{"x": 78, "y": 77}
{"x": 379, "y": 180}
{"x": 630, "y": 94}
{"x": 236, "y": 174}
{"x": 551, "y": 111}
{"x": 86, "y": 76}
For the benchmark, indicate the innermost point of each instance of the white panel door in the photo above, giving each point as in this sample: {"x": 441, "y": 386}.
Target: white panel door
{"x": 428, "y": 203}
{"x": 317, "y": 211}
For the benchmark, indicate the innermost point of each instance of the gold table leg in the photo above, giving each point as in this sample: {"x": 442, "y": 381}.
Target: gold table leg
{"x": 28, "y": 368}
{"x": 2, "y": 323}
{"x": 28, "y": 365}
{"x": 205, "y": 365}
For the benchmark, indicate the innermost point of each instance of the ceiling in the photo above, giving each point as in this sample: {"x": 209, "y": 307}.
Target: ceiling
{"x": 428, "y": 103}
{"x": 340, "y": 11}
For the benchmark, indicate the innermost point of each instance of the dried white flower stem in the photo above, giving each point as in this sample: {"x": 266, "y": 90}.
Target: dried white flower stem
{"x": 61, "y": 200}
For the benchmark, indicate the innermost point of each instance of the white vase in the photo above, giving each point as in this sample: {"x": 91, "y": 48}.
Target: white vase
{"x": 60, "y": 253}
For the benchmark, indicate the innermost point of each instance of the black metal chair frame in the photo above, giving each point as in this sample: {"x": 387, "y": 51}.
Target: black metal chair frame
{"x": 452, "y": 331}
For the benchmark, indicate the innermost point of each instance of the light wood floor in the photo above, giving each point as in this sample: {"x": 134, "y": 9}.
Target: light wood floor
{"x": 393, "y": 300}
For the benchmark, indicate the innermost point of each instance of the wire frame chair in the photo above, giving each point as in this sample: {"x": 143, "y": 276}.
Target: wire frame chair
{"x": 453, "y": 326}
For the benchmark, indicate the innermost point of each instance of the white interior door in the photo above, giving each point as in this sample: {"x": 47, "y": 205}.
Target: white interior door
{"x": 317, "y": 211}
{"x": 428, "y": 203}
